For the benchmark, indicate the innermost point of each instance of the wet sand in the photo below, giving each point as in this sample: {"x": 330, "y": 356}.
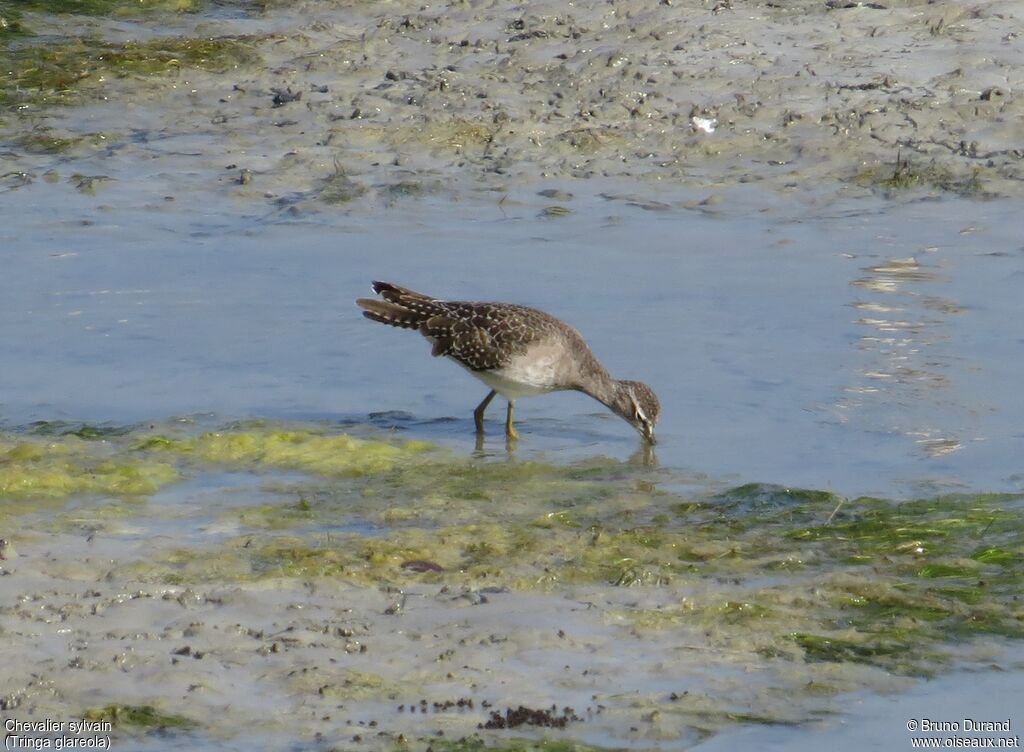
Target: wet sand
{"x": 337, "y": 103}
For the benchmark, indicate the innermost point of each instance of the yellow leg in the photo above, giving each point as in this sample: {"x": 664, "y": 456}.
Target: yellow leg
{"x": 510, "y": 429}
{"x": 478, "y": 414}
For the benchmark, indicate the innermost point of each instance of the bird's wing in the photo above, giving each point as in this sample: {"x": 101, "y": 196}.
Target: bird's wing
{"x": 484, "y": 336}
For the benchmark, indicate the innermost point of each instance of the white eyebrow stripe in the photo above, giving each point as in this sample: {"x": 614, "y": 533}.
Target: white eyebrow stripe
{"x": 640, "y": 414}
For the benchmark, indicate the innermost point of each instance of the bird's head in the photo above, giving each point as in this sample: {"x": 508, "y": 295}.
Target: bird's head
{"x": 636, "y": 403}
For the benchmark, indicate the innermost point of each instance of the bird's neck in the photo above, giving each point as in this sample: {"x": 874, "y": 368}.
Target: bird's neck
{"x": 601, "y": 386}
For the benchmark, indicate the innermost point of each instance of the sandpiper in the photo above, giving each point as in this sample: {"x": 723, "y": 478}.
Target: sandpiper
{"x": 515, "y": 350}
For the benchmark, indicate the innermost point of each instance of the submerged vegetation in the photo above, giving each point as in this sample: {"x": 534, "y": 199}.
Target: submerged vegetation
{"x": 33, "y": 469}
{"x": 477, "y": 744}
{"x": 137, "y": 716}
{"x": 80, "y": 64}
{"x": 791, "y": 574}
{"x": 822, "y": 593}
{"x": 299, "y": 450}
{"x": 905, "y": 175}
{"x": 63, "y": 72}
{"x": 103, "y": 7}
{"x": 11, "y": 22}
{"x": 881, "y": 583}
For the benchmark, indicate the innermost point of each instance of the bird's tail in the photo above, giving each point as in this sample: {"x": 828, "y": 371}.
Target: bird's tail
{"x": 401, "y": 307}
{"x": 401, "y": 295}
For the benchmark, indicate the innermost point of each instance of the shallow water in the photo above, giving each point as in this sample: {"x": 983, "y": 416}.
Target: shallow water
{"x": 866, "y": 348}
{"x": 862, "y": 349}
{"x": 884, "y": 721}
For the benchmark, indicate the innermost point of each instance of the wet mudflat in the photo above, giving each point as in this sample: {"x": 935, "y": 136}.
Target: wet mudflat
{"x": 237, "y": 515}
{"x": 338, "y": 591}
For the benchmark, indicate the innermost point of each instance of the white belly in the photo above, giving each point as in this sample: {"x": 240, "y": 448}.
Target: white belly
{"x": 524, "y": 377}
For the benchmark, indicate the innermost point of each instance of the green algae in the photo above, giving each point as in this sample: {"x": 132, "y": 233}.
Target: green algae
{"x": 34, "y": 470}
{"x": 295, "y": 558}
{"x": 478, "y": 744}
{"x": 555, "y": 212}
{"x": 903, "y": 576}
{"x": 339, "y": 188}
{"x": 890, "y": 581}
{"x": 708, "y": 714}
{"x": 998, "y": 556}
{"x": 81, "y": 430}
{"x": 340, "y": 455}
{"x": 156, "y": 56}
{"x": 62, "y": 72}
{"x": 137, "y": 716}
{"x": 107, "y": 7}
{"x": 906, "y": 176}
{"x": 889, "y": 609}
{"x": 837, "y": 649}
{"x": 776, "y": 574}
{"x": 12, "y": 22}
{"x": 43, "y": 141}
{"x": 279, "y": 516}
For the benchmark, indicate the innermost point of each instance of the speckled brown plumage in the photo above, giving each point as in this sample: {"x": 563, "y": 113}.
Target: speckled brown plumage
{"x": 514, "y": 349}
{"x": 481, "y": 336}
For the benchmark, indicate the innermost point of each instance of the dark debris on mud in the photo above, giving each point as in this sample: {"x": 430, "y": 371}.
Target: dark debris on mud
{"x": 524, "y": 716}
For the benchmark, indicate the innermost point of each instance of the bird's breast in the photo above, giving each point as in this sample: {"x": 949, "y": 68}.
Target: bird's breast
{"x": 537, "y": 371}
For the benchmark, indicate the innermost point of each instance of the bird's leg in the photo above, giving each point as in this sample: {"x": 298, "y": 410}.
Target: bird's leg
{"x": 510, "y": 430}
{"x": 478, "y": 414}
